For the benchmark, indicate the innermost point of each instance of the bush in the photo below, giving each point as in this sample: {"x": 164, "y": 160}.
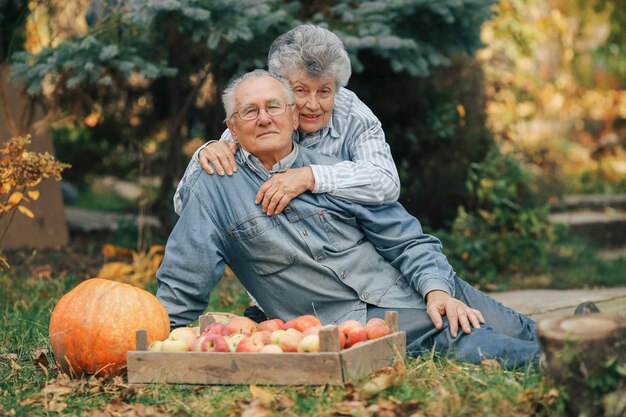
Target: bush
{"x": 504, "y": 230}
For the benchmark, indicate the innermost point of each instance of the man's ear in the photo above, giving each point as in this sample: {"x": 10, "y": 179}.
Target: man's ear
{"x": 231, "y": 128}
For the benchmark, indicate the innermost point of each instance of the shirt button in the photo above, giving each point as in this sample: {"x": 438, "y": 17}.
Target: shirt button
{"x": 274, "y": 216}
{"x": 287, "y": 210}
{"x": 364, "y": 296}
{"x": 343, "y": 275}
{"x": 305, "y": 233}
{"x": 320, "y": 258}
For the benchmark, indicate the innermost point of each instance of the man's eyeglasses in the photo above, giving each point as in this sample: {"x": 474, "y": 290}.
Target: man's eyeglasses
{"x": 272, "y": 108}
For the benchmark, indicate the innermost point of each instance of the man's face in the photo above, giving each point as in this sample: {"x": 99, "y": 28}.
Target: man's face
{"x": 266, "y": 137}
{"x": 315, "y": 99}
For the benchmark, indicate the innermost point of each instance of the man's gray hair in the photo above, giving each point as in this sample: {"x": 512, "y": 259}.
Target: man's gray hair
{"x": 312, "y": 49}
{"x": 228, "y": 96}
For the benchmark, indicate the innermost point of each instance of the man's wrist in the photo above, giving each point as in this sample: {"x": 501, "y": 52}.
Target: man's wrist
{"x": 435, "y": 293}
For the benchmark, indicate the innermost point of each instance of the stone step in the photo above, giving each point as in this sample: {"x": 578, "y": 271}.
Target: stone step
{"x": 603, "y": 229}
{"x": 596, "y": 202}
{"x": 542, "y": 303}
{"x": 92, "y": 221}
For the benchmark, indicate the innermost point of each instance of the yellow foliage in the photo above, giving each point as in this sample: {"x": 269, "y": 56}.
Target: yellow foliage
{"x": 21, "y": 171}
{"x": 141, "y": 269}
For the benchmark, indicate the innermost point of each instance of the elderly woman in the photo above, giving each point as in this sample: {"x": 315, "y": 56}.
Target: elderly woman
{"x": 333, "y": 121}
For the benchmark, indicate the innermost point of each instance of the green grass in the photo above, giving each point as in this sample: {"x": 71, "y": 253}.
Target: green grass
{"x": 431, "y": 386}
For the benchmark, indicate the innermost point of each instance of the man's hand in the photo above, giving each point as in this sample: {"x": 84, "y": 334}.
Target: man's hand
{"x": 221, "y": 154}
{"x": 283, "y": 187}
{"x": 440, "y": 303}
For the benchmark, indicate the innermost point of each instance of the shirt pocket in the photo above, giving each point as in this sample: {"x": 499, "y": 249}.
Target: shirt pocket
{"x": 263, "y": 243}
{"x": 342, "y": 230}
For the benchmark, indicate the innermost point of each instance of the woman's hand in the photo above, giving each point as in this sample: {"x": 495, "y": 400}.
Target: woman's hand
{"x": 278, "y": 191}
{"x": 221, "y": 154}
{"x": 440, "y": 303}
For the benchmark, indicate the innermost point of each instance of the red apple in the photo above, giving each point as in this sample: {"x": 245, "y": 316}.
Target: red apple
{"x": 289, "y": 324}
{"x": 312, "y": 330}
{"x": 216, "y": 328}
{"x": 376, "y": 327}
{"x": 310, "y": 343}
{"x": 289, "y": 340}
{"x": 250, "y": 344}
{"x": 211, "y": 343}
{"x": 353, "y": 331}
{"x": 304, "y": 322}
{"x": 271, "y": 325}
{"x": 240, "y": 324}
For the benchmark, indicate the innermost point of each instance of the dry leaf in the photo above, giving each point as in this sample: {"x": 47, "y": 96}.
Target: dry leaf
{"x": 8, "y": 356}
{"x": 140, "y": 272}
{"x": 55, "y": 406}
{"x": 112, "y": 251}
{"x": 266, "y": 397}
{"x": 491, "y": 364}
{"x": 33, "y": 194}
{"x": 256, "y": 409}
{"x": 383, "y": 379}
{"x": 350, "y": 408}
{"x": 40, "y": 358}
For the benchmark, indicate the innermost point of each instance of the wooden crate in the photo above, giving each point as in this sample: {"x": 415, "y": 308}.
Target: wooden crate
{"x": 330, "y": 366}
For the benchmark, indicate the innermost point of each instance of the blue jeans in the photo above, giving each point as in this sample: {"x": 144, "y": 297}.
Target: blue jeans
{"x": 506, "y": 336}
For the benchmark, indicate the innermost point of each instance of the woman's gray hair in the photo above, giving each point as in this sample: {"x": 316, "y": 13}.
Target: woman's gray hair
{"x": 228, "y": 96}
{"x": 312, "y": 49}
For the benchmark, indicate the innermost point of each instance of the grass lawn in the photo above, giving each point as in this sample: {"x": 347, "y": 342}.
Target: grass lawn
{"x": 31, "y": 385}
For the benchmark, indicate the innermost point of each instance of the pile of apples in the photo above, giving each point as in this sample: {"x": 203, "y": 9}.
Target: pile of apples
{"x": 242, "y": 334}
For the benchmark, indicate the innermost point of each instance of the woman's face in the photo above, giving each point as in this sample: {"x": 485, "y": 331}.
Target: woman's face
{"x": 315, "y": 98}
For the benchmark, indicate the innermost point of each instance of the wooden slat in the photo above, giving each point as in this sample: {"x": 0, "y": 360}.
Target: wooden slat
{"x": 204, "y": 321}
{"x": 234, "y": 368}
{"x": 359, "y": 361}
{"x": 141, "y": 339}
{"x": 391, "y": 317}
{"x": 329, "y": 339}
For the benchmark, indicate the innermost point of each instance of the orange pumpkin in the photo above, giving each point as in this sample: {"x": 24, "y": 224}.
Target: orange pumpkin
{"x": 93, "y": 326}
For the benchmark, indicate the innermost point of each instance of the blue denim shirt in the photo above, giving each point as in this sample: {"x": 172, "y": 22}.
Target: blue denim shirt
{"x": 322, "y": 255}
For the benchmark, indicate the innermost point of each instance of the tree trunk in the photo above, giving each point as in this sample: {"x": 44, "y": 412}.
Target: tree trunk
{"x": 586, "y": 356}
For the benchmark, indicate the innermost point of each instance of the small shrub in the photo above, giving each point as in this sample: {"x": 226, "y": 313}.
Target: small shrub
{"x": 504, "y": 230}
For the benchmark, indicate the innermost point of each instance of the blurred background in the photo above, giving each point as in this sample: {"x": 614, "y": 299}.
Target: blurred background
{"x": 506, "y": 119}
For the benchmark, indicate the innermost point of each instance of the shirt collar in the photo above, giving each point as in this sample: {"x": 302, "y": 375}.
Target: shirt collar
{"x": 281, "y": 166}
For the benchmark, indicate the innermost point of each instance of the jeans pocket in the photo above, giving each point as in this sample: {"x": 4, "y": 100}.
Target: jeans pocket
{"x": 263, "y": 244}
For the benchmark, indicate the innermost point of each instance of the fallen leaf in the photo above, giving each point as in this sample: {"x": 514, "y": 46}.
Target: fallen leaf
{"x": 40, "y": 358}
{"x": 491, "y": 364}
{"x": 42, "y": 271}
{"x": 8, "y": 356}
{"x": 256, "y": 408}
{"x": 55, "y": 406}
{"x": 383, "y": 379}
{"x": 266, "y": 397}
{"x": 350, "y": 408}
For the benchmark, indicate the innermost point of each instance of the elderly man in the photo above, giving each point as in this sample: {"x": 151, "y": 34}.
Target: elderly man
{"x": 325, "y": 256}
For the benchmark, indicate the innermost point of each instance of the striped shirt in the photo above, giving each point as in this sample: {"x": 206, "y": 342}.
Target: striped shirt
{"x": 367, "y": 175}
